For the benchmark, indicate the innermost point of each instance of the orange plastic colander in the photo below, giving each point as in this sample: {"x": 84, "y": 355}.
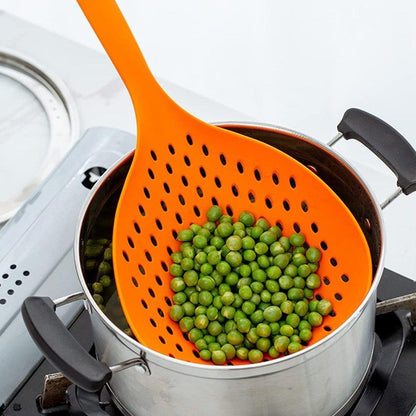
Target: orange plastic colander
{"x": 180, "y": 168}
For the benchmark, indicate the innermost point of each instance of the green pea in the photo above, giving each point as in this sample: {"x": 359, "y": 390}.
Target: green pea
{"x": 256, "y": 232}
{"x": 272, "y": 286}
{"x": 186, "y": 323}
{"x": 324, "y": 307}
{"x": 290, "y": 270}
{"x": 214, "y": 328}
{"x": 259, "y": 275}
{"x": 214, "y": 213}
{"x": 268, "y": 237}
{"x": 206, "y": 283}
{"x": 313, "y": 254}
{"x": 256, "y": 287}
{"x": 105, "y": 280}
{"x": 239, "y": 314}
{"x": 313, "y": 267}
{"x": 299, "y": 282}
{"x": 255, "y": 356}
{"x": 205, "y": 298}
{"x": 194, "y": 298}
{"x": 287, "y": 307}
{"x": 177, "y": 284}
{"x": 234, "y": 242}
{"x": 257, "y": 317}
{"x": 176, "y": 257}
{"x": 229, "y": 351}
{"x": 284, "y": 241}
{"x": 285, "y": 282}
{"x": 225, "y": 229}
{"x": 304, "y": 270}
{"x": 238, "y": 301}
{"x": 228, "y": 312}
{"x": 201, "y": 344}
{"x": 97, "y": 287}
{"x": 190, "y": 278}
{"x": 247, "y": 243}
{"x": 201, "y": 321}
{"x": 242, "y": 353}
{"x": 313, "y": 304}
{"x": 205, "y": 355}
{"x": 175, "y": 270}
{"x": 249, "y": 255}
{"x": 256, "y": 299}
{"x": 272, "y": 313}
{"x": 248, "y": 307}
{"x": 246, "y": 218}
{"x": 294, "y": 347}
{"x": 218, "y": 279}
{"x": 276, "y": 248}
{"x": 295, "y": 294}
{"x": 266, "y": 296}
{"x": 185, "y": 235}
{"x": 203, "y": 232}
{"x": 195, "y": 334}
{"x": 286, "y": 330}
{"x": 261, "y": 248}
{"x": 313, "y": 281}
{"x": 315, "y": 319}
{"x": 201, "y": 257}
{"x": 232, "y": 279}
{"x": 104, "y": 268}
{"x": 308, "y": 293}
{"x": 235, "y": 337}
{"x": 199, "y": 241}
{"x": 298, "y": 259}
{"x": 301, "y": 308}
{"x": 304, "y": 325}
{"x": 217, "y": 242}
{"x": 188, "y": 252}
{"x": 305, "y": 335}
{"x": 245, "y": 292}
{"x": 263, "y": 261}
{"x": 273, "y": 353}
{"x": 263, "y": 344}
{"x": 273, "y": 272}
{"x": 209, "y": 225}
{"x": 224, "y": 288}
{"x": 98, "y": 298}
{"x": 297, "y": 239}
{"x": 293, "y": 320}
{"x": 275, "y": 327}
{"x": 234, "y": 258}
{"x": 281, "y": 260}
{"x": 189, "y": 308}
{"x": 263, "y": 223}
{"x": 214, "y": 346}
{"x": 278, "y": 298}
{"x": 281, "y": 343}
{"x": 223, "y": 268}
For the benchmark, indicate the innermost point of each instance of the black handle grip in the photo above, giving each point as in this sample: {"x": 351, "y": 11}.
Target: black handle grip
{"x": 60, "y": 347}
{"x": 385, "y": 142}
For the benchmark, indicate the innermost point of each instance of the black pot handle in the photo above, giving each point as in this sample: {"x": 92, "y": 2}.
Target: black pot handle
{"x": 385, "y": 142}
{"x": 60, "y": 347}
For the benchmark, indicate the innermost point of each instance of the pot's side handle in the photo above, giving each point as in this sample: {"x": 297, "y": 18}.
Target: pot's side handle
{"x": 60, "y": 347}
{"x": 385, "y": 142}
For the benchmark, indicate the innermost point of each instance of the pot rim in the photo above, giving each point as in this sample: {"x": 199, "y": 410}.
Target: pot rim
{"x": 213, "y": 370}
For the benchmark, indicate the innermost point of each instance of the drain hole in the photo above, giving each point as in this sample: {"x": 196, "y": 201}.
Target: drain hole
{"x": 296, "y": 227}
{"x": 199, "y": 192}
{"x": 217, "y": 182}
{"x": 13, "y": 266}
{"x": 314, "y": 227}
{"x": 137, "y": 228}
{"x": 2, "y": 301}
{"x": 164, "y": 266}
{"x": 175, "y": 234}
{"x": 178, "y": 218}
{"x": 141, "y": 268}
{"x": 318, "y": 297}
{"x": 223, "y": 159}
{"x": 171, "y": 149}
{"x": 275, "y": 179}
{"x": 234, "y": 190}
{"x": 151, "y": 293}
{"x": 286, "y": 205}
{"x": 205, "y": 150}
{"x": 162, "y": 340}
{"x": 184, "y": 181}
{"x": 5, "y": 276}
{"x": 333, "y": 261}
{"x": 151, "y": 174}
{"x": 324, "y": 245}
{"x": 130, "y": 241}
{"x": 163, "y": 205}
{"x": 10, "y": 291}
{"x": 345, "y": 278}
{"x": 144, "y": 304}
{"x": 153, "y": 322}
{"x": 338, "y": 296}
{"x": 196, "y": 353}
{"x": 187, "y": 161}
{"x": 189, "y": 140}
{"x": 142, "y": 211}
{"x": 18, "y": 282}
{"x": 292, "y": 182}
{"x": 148, "y": 256}
{"x": 179, "y": 347}
{"x": 168, "y": 301}
{"x": 268, "y": 203}
{"x": 197, "y": 212}
{"x": 257, "y": 174}
{"x": 202, "y": 172}
{"x": 133, "y": 279}
{"x": 326, "y": 281}
{"x": 214, "y": 201}
{"x": 251, "y": 197}
{"x": 153, "y": 154}
{"x": 169, "y": 250}
{"x": 304, "y": 206}
{"x": 158, "y": 280}
{"x": 125, "y": 255}
{"x": 166, "y": 186}
{"x": 153, "y": 240}
{"x": 327, "y": 328}
{"x": 240, "y": 167}
{"x": 159, "y": 224}
{"x": 169, "y": 168}
{"x": 169, "y": 329}
{"x": 229, "y": 211}
{"x": 146, "y": 193}
{"x": 160, "y": 312}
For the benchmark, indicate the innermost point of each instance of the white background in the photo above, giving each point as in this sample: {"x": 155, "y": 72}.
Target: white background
{"x": 295, "y": 64}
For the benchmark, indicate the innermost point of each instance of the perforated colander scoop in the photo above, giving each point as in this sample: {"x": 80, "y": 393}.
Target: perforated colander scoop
{"x": 181, "y": 167}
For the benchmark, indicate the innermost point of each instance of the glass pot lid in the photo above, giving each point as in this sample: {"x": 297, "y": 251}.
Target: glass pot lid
{"x": 38, "y": 125}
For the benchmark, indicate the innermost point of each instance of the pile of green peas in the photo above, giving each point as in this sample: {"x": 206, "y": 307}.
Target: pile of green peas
{"x": 243, "y": 290}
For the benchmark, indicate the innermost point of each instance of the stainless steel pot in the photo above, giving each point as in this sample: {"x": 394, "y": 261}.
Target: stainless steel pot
{"x": 323, "y": 379}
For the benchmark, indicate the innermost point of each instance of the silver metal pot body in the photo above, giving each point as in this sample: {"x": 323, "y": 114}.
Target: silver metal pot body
{"x": 323, "y": 379}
